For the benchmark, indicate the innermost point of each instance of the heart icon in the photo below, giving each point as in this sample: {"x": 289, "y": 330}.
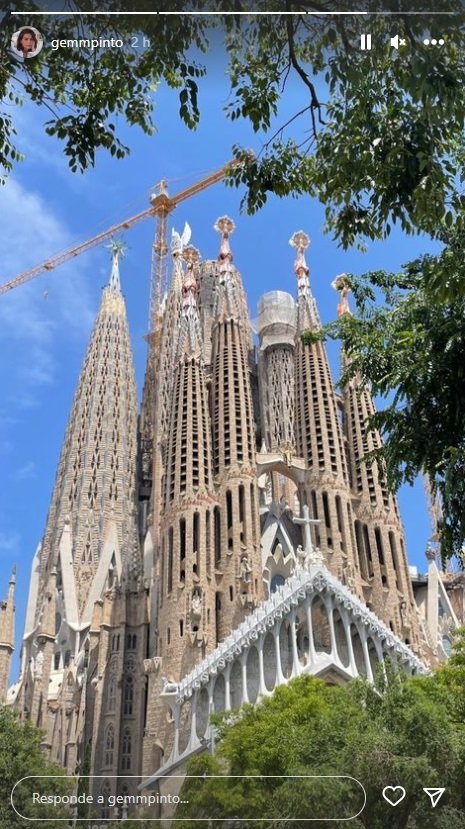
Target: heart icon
{"x": 394, "y": 794}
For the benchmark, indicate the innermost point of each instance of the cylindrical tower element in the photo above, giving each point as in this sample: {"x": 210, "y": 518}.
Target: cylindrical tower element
{"x": 237, "y": 531}
{"x": 319, "y": 437}
{"x": 379, "y": 533}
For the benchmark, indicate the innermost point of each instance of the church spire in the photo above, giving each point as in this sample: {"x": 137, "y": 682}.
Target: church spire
{"x": 228, "y": 293}
{"x": 379, "y": 533}
{"x": 12, "y": 584}
{"x": 307, "y": 313}
{"x": 94, "y": 489}
{"x": 341, "y": 285}
{"x": 234, "y": 444}
{"x": 190, "y": 336}
{"x": 186, "y": 621}
{"x": 7, "y": 635}
{"x": 117, "y": 252}
{"x": 319, "y": 437}
{"x": 225, "y": 226}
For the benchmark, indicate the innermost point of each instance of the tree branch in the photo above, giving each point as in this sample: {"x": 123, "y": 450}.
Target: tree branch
{"x": 283, "y": 127}
{"x": 314, "y": 102}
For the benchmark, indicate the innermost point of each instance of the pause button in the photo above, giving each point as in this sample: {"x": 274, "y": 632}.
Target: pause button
{"x": 365, "y": 43}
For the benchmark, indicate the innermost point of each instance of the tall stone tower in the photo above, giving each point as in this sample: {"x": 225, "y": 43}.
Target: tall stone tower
{"x": 90, "y": 553}
{"x": 319, "y": 437}
{"x": 94, "y": 491}
{"x": 207, "y": 573}
{"x": 237, "y": 531}
{"x": 7, "y": 635}
{"x": 379, "y": 533}
{"x": 187, "y": 614}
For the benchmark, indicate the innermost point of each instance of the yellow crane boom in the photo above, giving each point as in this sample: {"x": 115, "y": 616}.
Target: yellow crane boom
{"x": 161, "y": 206}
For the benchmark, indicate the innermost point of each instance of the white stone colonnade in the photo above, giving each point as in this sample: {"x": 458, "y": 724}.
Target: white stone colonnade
{"x": 312, "y": 624}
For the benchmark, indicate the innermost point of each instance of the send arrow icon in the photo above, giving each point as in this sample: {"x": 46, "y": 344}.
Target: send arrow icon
{"x": 434, "y": 795}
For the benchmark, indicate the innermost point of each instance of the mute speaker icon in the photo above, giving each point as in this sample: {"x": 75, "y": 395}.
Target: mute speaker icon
{"x": 397, "y": 41}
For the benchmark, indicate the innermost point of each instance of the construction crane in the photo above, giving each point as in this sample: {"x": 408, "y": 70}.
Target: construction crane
{"x": 161, "y": 205}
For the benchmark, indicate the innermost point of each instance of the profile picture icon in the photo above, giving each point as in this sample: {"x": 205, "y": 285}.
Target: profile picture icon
{"x": 27, "y": 42}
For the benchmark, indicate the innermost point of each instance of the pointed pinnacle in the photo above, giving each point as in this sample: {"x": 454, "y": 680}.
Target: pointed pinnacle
{"x": 117, "y": 249}
{"x": 12, "y": 584}
{"x": 224, "y": 226}
{"x": 300, "y": 241}
{"x": 341, "y": 285}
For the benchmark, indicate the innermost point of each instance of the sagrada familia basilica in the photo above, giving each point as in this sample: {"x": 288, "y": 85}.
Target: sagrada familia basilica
{"x": 223, "y": 540}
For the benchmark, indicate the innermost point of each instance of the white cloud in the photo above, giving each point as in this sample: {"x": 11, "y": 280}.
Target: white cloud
{"x": 9, "y": 541}
{"x": 6, "y": 446}
{"x": 33, "y": 315}
{"x": 25, "y": 472}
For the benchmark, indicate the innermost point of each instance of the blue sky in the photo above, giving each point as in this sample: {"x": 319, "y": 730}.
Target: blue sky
{"x": 45, "y": 325}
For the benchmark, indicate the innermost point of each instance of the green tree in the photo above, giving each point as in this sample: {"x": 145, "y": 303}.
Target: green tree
{"x": 399, "y": 734}
{"x": 377, "y": 136}
{"x": 407, "y": 342}
{"x": 21, "y": 756}
{"x": 451, "y": 678}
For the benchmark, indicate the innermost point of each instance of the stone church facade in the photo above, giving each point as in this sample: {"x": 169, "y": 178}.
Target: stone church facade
{"x": 168, "y": 529}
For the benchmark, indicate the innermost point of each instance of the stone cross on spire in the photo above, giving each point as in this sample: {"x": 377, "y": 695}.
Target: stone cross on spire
{"x": 312, "y": 554}
{"x": 117, "y": 250}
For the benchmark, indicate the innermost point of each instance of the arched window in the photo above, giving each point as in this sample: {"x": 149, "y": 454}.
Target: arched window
{"x": 128, "y": 699}
{"x": 369, "y": 557}
{"x": 276, "y": 582}
{"x": 379, "y": 545}
{"x": 111, "y": 699}
{"x": 326, "y": 513}
{"x": 109, "y": 745}
{"x": 196, "y": 540}
{"x": 217, "y": 530}
{"x": 208, "y": 541}
{"x": 170, "y": 560}
{"x": 182, "y": 550}
{"x": 395, "y": 557}
{"x": 229, "y": 516}
{"x": 131, "y": 641}
{"x": 127, "y": 750}
{"x": 242, "y": 512}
